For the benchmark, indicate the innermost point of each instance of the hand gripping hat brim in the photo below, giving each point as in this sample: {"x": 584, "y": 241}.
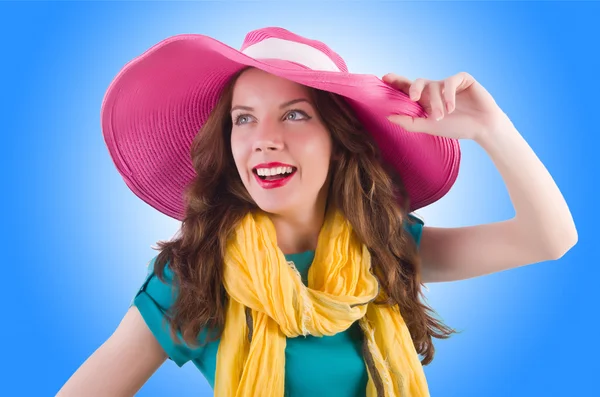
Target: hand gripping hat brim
{"x": 159, "y": 101}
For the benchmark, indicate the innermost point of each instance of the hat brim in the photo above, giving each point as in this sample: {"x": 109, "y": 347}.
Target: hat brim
{"x": 158, "y": 102}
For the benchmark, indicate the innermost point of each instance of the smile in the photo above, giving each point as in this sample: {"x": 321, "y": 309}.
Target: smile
{"x": 270, "y": 179}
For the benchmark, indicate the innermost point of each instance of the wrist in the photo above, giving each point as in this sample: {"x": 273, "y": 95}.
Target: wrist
{"x": 499, "y": 125}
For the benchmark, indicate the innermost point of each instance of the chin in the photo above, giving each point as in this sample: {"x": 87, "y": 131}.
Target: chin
{"x": 275, "y": 208}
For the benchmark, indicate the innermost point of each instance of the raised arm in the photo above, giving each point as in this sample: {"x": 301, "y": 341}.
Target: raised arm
{"x": 542, "y": 228}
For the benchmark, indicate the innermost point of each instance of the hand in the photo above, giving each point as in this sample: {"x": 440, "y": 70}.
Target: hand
{"x": 457, "y": 107}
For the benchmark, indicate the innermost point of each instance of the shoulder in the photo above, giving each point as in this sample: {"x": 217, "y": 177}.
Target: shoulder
{"x": 413, "y": 224}
{"x": 154, "y": 299}
{"x": 162, "y": 291}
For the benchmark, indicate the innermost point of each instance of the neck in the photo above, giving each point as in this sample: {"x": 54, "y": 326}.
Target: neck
{"x": 298, "y": 233}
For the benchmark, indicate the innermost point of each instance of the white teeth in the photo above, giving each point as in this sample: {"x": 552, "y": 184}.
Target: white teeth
{"x": 273, "y": 171}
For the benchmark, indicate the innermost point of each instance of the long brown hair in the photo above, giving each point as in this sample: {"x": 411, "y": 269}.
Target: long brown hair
{"x": 216, "y": 200}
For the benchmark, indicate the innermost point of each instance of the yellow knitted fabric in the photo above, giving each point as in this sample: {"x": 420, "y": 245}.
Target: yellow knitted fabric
{"x": 340, "y": 290}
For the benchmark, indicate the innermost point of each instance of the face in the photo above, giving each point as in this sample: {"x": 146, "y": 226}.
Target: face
{"x": 276, "y": 130}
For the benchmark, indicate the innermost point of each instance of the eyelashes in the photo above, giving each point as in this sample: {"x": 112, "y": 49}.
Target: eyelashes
{"x": 238, "y": 118}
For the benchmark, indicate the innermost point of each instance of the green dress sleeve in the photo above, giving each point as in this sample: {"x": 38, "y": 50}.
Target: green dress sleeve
{"x": 153, "y": 300}
{"x": 414, "y": 226}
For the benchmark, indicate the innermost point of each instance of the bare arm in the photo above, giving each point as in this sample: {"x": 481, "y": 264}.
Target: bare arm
{"x": 542, "y": 229}
{"x": 121, "y": 366}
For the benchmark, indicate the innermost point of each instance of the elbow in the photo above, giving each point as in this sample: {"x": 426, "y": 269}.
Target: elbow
{"x": 557, "y": 249}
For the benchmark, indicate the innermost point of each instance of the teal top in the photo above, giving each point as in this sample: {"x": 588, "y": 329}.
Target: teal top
{"x": 330, "y": 366}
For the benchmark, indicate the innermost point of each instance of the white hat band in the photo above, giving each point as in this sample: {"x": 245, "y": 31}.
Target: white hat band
{"x": 274, "y": 48}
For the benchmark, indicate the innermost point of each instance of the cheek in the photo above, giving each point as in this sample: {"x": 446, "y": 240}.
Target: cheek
{"x": 316, "y": 150}
{"x": 239, "y": 152}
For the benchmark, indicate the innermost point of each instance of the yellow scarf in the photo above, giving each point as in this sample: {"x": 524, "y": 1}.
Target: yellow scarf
{"x": 268, "y": 302}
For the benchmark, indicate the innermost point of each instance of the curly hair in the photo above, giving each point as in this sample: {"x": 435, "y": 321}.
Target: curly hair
{"x": 362, "y": 188}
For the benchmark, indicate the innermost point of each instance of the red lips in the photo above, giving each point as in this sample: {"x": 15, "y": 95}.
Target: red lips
{"x": 272, "y": 184}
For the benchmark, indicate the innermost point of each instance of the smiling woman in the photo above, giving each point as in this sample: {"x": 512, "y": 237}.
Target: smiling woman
{"x": 299, "y": 265}
{"x": 281, "y": 125}
{"x": 338, "y": 196}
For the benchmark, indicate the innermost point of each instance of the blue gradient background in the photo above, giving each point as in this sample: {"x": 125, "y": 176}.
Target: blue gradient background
{"x": 76, "y": 241}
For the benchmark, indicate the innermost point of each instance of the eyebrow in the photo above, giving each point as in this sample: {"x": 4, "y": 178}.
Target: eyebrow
{"x": 283, "y": 105}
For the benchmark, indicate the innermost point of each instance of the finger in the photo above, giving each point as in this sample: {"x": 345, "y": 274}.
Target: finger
{"x": 435, "y": 100}
{"x": 400, "y": 82}
{"x": 452, "y": 85}
{"x": 416, "y": 89}
{"x": 449, "y": 94}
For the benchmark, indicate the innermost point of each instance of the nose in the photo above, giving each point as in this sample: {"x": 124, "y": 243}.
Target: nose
{"x": 268, "y": 137}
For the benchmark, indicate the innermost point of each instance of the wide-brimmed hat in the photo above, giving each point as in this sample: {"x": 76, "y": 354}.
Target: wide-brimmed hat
{"x": 159, "y": 101}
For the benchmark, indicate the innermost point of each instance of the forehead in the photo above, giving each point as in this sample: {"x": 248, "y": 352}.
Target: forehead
{"x": 257, "y": 85}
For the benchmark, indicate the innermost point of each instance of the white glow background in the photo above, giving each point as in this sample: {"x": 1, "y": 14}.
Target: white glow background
{"x": 76, "y": 240}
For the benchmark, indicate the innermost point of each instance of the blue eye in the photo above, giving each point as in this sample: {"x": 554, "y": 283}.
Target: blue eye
{"x": 297, "y": 112}
{"x": 241, "y": 117}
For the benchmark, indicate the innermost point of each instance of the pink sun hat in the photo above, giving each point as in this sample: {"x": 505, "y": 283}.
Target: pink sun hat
{"x": 160, "y": 100}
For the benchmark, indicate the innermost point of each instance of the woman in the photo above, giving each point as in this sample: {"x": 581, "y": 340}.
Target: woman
{"x": 299, "y": 265}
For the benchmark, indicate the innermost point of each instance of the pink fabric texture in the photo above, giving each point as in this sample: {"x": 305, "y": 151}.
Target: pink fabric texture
{"x": 159, "y": 101}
